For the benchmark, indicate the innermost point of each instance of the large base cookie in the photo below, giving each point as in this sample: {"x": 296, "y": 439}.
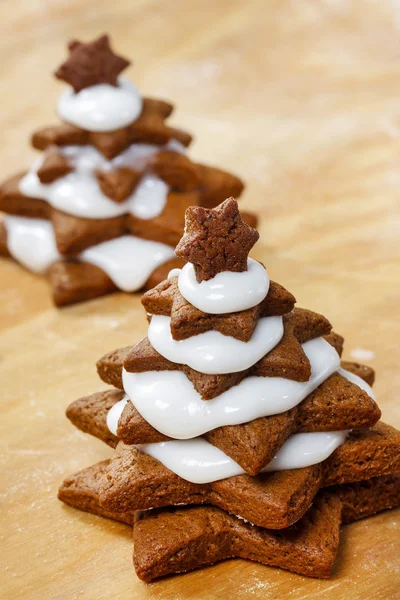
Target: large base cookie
{"x": 177, "y": 540}
{"x": 157, "y": 554}
{"x": 82, "y": 491}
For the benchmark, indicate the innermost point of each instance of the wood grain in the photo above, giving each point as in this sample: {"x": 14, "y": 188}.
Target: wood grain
{"x": 302, "y": 100}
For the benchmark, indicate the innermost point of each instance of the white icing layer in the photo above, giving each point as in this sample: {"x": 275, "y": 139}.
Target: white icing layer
{"x": 79, "y": 194}
{"x": 101, "y": 107}
{"x": 212, "y": 352}
{"x": 169, "y": 402}
{"x": 114, "y": 414}
{"x": 358, "y": 381}
{"x": 199, "y": 462}
{"x": 31, "y": 242}
{"x": 226, "y": 292}
{"x": 128, "y": 260}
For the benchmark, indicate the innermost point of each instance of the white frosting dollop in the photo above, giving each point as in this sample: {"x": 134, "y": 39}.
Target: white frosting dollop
{"x": 31, "y": 242}
{"x": 101, "y": 107}
{"x": 358, "y": 381}
{"x": 114, "y": 414}
{"x": 168, "y": 401}
{"x": 227, "y": 292}
{"x": 128, "y": 260}
{"x": 212, "y": 352}
{"x": 199, "y": 462}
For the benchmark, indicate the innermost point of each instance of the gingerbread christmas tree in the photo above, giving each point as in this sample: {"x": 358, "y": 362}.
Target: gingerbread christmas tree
{"x": 103, "y": 206}
{"x": 238, "y": 431}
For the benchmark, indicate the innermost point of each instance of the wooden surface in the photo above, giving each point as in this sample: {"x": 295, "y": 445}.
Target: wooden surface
{"x": 302, "y": 99}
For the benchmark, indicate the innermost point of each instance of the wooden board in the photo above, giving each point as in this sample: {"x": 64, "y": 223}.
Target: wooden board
{"x": 303, "y": 100}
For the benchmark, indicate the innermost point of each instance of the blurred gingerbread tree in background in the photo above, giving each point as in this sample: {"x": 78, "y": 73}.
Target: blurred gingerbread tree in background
{"x": 103, "y": 206}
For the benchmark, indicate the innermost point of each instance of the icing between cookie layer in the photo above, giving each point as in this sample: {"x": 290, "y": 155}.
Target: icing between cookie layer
{"x": 212, "y": 352}
{"x": 199, "y": 462}
{"x": 31, "y": 242}
{"x": 114, "y": 414}
{"x": 101, "y": 107}
{"x": 227, "y": 292}
{"x": 128, "y": 260}
{"x": 168, "y": 401}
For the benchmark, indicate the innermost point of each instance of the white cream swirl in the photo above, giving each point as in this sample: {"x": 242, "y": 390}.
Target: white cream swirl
{"x": 114, "y": 414}
{"x": 227, "y": 292}
{"x": 101, "y": 107}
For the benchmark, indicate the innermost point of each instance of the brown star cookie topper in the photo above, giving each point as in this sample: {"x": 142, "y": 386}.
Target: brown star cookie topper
{"x": 90, "y": 64}
{"x": 216, "y": 240}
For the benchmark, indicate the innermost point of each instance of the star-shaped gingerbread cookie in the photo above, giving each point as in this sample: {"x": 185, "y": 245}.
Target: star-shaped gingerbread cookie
{"x": 297, "y": 548}
{"x": 216, "y": 240}
{"x": 90, "y": 64}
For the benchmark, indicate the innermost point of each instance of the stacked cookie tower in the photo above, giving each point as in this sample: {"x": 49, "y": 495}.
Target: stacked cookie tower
{"x": 236, "y": 400}
{"x": 103, "y": 207}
